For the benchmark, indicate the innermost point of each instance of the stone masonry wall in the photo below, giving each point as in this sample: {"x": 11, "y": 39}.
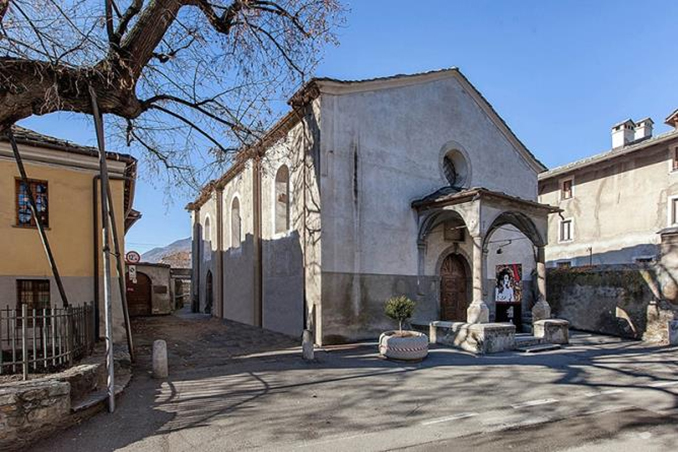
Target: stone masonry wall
{"x": 620, "y": 300}
{"x": 32, "y": 410}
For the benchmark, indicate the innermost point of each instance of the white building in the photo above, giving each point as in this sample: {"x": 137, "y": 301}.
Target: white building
{"x": 410, "y": 184}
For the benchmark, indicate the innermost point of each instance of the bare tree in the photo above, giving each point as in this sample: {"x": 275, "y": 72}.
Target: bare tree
{"x": 176, "y": 75}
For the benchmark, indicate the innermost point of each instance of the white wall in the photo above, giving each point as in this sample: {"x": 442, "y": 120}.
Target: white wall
{"x": 389, "y": 143}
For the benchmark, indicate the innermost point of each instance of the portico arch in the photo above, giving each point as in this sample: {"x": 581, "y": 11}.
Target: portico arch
{"x": 520, "y": 221}
{"x": 482, "y": 212}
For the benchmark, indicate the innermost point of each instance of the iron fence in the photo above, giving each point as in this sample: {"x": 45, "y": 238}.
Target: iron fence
{"x": 44, "y": 340}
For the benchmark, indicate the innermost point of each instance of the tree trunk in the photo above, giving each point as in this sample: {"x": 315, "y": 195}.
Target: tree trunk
{"x": 31, "y": 87}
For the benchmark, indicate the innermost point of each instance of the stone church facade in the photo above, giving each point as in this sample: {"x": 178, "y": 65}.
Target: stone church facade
{"x": 368, "y": 189}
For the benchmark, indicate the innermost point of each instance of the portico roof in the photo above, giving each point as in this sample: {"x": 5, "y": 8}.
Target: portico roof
{"x": 449, "y": 196}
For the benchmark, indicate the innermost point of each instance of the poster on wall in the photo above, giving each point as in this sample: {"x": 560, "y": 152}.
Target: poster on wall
{"x": 509, "y": 288}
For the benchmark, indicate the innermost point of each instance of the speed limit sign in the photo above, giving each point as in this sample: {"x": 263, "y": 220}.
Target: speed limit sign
{"x": 132, "y": 257}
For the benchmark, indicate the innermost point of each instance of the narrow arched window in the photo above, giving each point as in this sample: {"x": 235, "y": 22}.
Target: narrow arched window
{"x": 282, "y": 199}
{"x": 235, "y": 224}
{"x": 207, "y": 240}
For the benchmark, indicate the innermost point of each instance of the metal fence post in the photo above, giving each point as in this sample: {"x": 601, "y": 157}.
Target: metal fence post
{"x": 70, "y": 331}
{"x": 24, "y": 351}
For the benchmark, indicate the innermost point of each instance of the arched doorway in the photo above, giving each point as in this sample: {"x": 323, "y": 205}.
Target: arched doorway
{"x": 139, "y": 297}
{"x": 453, "y": 289}
{"x": 209, "y": 293}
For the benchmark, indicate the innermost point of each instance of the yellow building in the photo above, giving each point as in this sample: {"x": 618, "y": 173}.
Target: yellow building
{"x": 64, "y": 180}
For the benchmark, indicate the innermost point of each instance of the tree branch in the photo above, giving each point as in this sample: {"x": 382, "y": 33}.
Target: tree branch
{"x": 188, "y": 123}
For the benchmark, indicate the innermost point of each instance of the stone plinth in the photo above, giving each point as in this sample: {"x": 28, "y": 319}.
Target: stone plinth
{"x": 480, "y": 338}
{"x": 552, "y": 331}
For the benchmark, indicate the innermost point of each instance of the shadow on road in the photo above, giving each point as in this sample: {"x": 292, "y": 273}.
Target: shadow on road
{"x": 229, "y": 380}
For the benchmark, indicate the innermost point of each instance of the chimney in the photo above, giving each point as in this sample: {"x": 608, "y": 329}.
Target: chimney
{"x": 643, "y": 129}
{"x": 622, "y": 133}
{"x": 672, "y": 120}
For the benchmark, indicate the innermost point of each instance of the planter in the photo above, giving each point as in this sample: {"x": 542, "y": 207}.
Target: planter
{"x": 411, "y": 346}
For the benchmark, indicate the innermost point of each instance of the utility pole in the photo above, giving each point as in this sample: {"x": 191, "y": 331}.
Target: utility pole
{"x": 106, "y": 251}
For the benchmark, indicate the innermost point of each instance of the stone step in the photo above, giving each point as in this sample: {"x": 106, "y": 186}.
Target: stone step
{"x": 101, "y": 395}
{"x": 527, "y": 340}
{"x": 538, "y": 348}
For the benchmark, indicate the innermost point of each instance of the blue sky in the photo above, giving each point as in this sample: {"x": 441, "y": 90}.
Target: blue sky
{"x": 559, "y": 73}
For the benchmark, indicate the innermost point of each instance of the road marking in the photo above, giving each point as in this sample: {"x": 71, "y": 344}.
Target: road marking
{"x": 450, "y": 418}
{"x": 663, "y": 384}
{"x": 606, "y": 392}
{"x": 534, "y": 403}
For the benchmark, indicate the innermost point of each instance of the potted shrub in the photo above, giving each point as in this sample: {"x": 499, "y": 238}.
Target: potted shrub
{"x": 402, "y": 344}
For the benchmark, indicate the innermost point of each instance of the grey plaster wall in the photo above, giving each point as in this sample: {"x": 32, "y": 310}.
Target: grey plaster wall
{"x": 283, "y": 283}
{"x": 383, "y": 150}
{"x": 162, "y": 290}
{"x": 286, "y": 281}
{"x": 618, "y": 207}
{"x": 207, "y": 247}
{"x": 353, "y": 304}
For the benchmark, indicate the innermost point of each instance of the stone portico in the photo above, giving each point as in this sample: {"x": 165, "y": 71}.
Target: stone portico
{"x": 480, "y": 213}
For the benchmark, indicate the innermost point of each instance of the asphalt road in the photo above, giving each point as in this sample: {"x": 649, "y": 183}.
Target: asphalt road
{"x": 598, "y": 394}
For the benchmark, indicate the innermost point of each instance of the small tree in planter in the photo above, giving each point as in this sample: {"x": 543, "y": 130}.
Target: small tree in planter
{"x": 399, "y": 309}
{"x": 402, "y": 345}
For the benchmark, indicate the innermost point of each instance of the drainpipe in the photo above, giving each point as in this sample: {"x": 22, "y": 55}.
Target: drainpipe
{"x": 120, "y": 269}
{"x": 258, "y": 299}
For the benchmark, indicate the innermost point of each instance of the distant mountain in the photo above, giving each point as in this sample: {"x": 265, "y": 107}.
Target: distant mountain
{"x": 176, "y": 254}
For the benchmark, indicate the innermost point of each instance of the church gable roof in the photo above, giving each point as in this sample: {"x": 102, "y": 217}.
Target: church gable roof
{"x": 317, "y": 86}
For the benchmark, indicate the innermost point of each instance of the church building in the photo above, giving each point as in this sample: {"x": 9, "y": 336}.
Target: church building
{"x": 403, "y": 185}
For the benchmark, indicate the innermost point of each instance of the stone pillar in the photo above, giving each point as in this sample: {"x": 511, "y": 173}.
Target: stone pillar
{"x": 541, "y": 309}
{"x": 477, "y": 312}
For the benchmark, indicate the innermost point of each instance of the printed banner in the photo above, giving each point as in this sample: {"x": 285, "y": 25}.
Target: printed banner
{"x": 509, "y": 287}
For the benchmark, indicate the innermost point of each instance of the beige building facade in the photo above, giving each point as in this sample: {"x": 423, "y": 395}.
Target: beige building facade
{"x": 64, "y": 179}
{"x": 615, "y": 204}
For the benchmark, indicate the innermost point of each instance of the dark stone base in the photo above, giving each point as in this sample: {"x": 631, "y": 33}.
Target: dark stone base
{"x": 353, "y": 304}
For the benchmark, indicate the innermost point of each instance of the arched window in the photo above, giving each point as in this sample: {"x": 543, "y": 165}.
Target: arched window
{"x": 235, "y": 224}
{"x": 282, "y": 199}
{"x": 207, "y": 240}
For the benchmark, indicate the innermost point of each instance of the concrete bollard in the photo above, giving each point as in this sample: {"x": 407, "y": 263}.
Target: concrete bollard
{"x": 307, "y": 351}
{"x": 160, "y": 359}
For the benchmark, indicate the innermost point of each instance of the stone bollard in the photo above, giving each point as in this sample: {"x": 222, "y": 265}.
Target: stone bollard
{"x": 160, "y": 359}
{"x": 307, "y": 351}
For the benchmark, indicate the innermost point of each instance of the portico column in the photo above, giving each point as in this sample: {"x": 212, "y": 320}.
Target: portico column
{"x": 541, "y": 309}
{"x": 477, "y": 312}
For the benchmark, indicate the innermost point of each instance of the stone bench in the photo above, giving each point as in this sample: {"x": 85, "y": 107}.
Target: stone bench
{"x": 480, "y": 338}
{"x": 552, "y": 331}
